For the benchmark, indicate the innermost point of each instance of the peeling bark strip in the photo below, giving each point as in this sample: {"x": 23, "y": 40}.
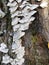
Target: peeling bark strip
{"x": 22, "y": 15}
{"x": 44, "y": 5}
{"x": 45, "y": 19}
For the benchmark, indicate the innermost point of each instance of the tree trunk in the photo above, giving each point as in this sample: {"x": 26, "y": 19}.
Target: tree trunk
{"x": 44, "y": 13}
{"x": 33, "y": 50}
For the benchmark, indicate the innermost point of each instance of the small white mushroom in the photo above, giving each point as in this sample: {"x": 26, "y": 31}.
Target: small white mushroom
{"x": 17, "y": 41}
{"x": 15, "y": 46}
{"x": 6, "y": 59}
{"x": 20, "y": 50}
{"x": 19, "y": 55}
{"x": 16, "y": 49}
{"x": 18, "y": 34}
{"x": 34, "y": 6}
{"x": 15, "y": 21}
{"x": 16, "y": 27}
{"x": 13, "y": 62}
{"x": 24, "y": 26}
{"x": 22, "y": 6}
{"x": 20, "y": 62}
{"x": 13, "y": 9}
{"x": 13, "y": 4}
{"x": 3, "y": 45}
{"x": 3, "y": 48}
{"x": 17, "y": 61}
{"x": 32, "y": 19}
{"x": 24, "y": 20}
{"x": 32, "y": 13}
{"x": 15, "y": 14}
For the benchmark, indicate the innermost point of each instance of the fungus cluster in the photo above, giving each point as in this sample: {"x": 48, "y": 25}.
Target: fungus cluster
{"x": 22, "y": 15}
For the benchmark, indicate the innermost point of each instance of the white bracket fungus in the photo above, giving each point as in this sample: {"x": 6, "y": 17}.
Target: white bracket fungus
{"x": 21, "y": 18}
{"x": 3, "y": 48}
{"x": 6, "y": 59}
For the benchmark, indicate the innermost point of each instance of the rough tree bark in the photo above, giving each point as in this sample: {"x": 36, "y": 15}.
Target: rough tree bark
{"x": 44, "y": 20}
{"x": 40, "y": 46}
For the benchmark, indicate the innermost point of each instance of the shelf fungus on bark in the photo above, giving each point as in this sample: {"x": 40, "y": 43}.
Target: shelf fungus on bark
{"x": 3, "y": 48}
{"x": 6, "y": 59}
